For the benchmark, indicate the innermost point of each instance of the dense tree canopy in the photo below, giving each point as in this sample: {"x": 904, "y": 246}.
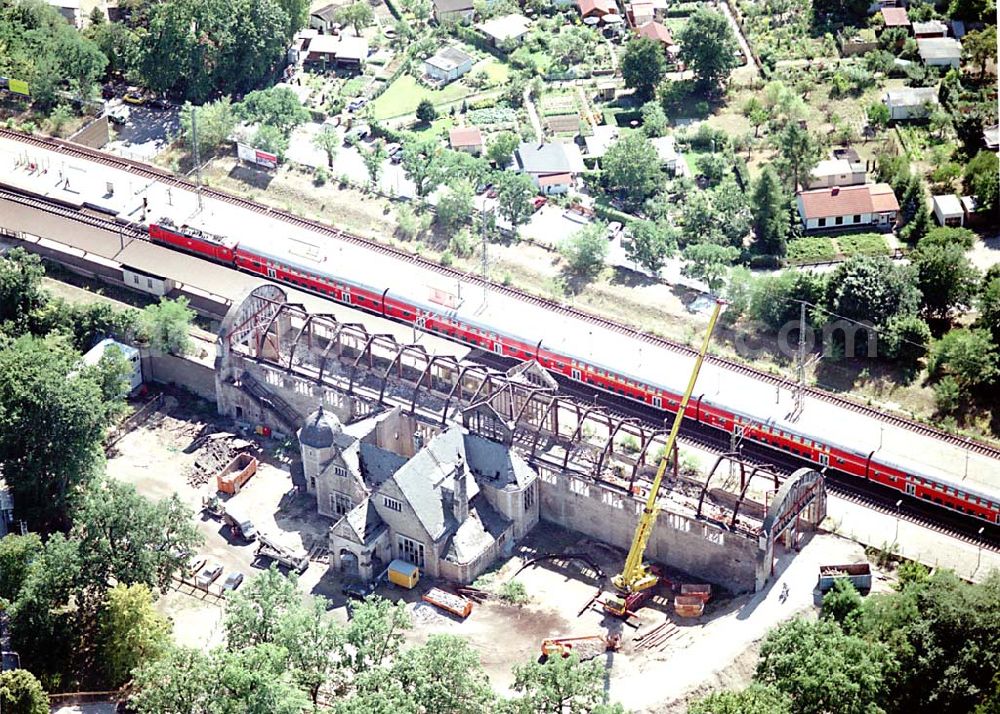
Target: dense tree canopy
{"x": 515, "y": 192}
{"x": 632, "y": 169}
{"x": 872, "y": 289}
{"x": 22, "y": 693}
{"x": 275, "y": 106}
{"x": 769, "y": 206}
{"x": 651, "y": 244}
{"x": 643, "y": 65}
{"x": 132, "y": 632}
{"x": 709, "y": 47}
{"x": 946, "y": 278}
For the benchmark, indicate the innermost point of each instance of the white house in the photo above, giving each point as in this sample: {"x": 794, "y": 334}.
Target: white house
{"x": 836, "y": 172}
{"x": 870, "y": 204}
{"x": 940, "y": 51}
{"x": 666, "y": 149}
{"x": 948, "y": 210}
{"x": 910, "y": 102}
{"x": 506, "y": 30}
{"x": 552, "y": 167}
{"x": 131, "y": 354}
{"x": 447, "y": 64}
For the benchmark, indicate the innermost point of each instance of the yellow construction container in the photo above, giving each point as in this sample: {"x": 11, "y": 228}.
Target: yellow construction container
{"x": 403, "y": 574}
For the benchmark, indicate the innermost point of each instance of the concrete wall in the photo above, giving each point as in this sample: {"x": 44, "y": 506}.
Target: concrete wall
{"x": 189, "y": 374}
{"x": 699, "y": 548}
{"x": 95, "y": 135}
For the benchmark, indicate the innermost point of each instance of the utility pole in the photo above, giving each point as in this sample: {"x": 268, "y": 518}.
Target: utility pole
{"x": 194, "y": 146}
{"x": 800, "y": 388}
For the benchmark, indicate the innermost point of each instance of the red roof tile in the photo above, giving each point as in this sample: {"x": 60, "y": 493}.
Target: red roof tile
{"x": 603, "y": 7}
{"x": 848, "y": 200}
{"x": 554, "y": 179}
{"x": 656, "y": 32}
{"x": 895, "y": 17}
{"x": 465, "y": 136}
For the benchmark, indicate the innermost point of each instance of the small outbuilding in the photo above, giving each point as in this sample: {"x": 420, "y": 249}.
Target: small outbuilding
{"x": 895, "y": 17}
{"x": 453, "y": 10}
{"x": 931, "y": 28}
{"x": 911, "y": 102}
{"x": 505, "y": 31}
{"x": 597, "y": 8}
{"x": 447, "y": 64}
{"x": 940, "y": 51}
{"x": 948, "y": 210}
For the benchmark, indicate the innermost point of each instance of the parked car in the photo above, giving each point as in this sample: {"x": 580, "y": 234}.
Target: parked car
{"x": 233, "y": 581}
{"x": 538, "y": 202}
{"x": 393, "y": 149}
{"x": 357, "y": 104}
{"x": 209, "y": 574}
{"x": 491, "y": 193}
{"x": 108, "y": 91}
{"x": 614, "y": 228}
{"x": 356, "y": 590}
{"x": 195, "y": 565}
{"x": 160, "y": 103}
{"x": 134, "y": 95}
{"x": 118, "y": 115}
{"x": 356, "y": 134}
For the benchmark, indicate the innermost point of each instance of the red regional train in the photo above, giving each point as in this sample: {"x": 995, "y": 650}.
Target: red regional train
{"x": 950, "y": 495}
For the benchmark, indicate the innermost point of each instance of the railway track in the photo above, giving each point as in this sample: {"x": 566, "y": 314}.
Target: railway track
{"x": 152, "y": 172}
{"x": 697, "y": 435}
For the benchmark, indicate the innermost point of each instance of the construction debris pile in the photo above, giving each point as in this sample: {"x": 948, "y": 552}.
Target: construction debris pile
{"x": 216, "y": 452}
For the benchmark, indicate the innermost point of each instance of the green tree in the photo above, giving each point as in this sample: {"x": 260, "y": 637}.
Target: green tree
{"x": 422, "y": 164}
{"x": 774, "y": 298}
{"x": 257, "y": 680}
{"x": 979, "y": 47}
{"x": 51, "y": 427}
{"x": 501, "y": 148}
{"x": 586, "y": 250}
{"x": 709, "y": 47}
{"x": 972, "y": 10}
{"x": 823, "y": 669}
{"x": 944, "y": 236}
{"x": 651, "y": 244}
{"x": 700, "y": 221}
{"x": 562, "y": 685}
{"x": 462, "y": 166}
{"x": 572, "y": 45}
{"x": 989, "y": 311}
{"x": 968, "y": 356}
{"x": 733, "y": 208}
{"x": 278, "y": 107}
{"x": 515, "y": 192}
{"x": 906, "y": 340}
{"x": 270, "y": 139}
{"x": 16, "y": 554}
{"x": 982, "y": 180}
{"x": 374, "y": 634}
{"x": 769, "y": 207}
{"x": 643, "y": 66}
{"x": 298, "y": 16}
{"x": 358, "y": 14}
{"x": 21, "y": 291}
{"x": 22, "y": 693}
{"x": 374, "y": 160}
{"x": 444, "y": 675}
{"x": 654, "y": 119}
{"x": 132, "y": 631}
{"x": 755, "y": 699}
{"x": 328, "y": 141}
{"x": 878, "y": 116}
{"x": 947, "y": 279}
{"x": 309, "y": 635}
{"x": 866, "y": 288}
{"x": 456, "y": 207}
{"x": 253, "y": 613}
{"x": 842, "y": 604}
{"x": 709, "y": 263}
{"x": 182, "y": 681}
{"x": 426, "y": 111}
{"x": 799, "y": 152}
{"x": 632, "y": 169}
{"x": 215, "y": 123}
{"x": 127, "y": 538}
{"x": 166, "y": 326}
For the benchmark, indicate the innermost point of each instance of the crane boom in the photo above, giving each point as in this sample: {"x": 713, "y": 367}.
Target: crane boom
{"x": 635, "y": 576}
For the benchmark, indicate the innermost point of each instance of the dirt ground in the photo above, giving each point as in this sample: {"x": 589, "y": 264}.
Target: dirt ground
{"x": 715, "y": 650}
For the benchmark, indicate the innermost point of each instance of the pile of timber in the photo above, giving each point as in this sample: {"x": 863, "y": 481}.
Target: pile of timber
{"x": 657, "y": 637}
{"x": 217, "y": 452}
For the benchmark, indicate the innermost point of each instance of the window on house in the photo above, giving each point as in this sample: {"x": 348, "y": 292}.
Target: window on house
{"x": 839, "y": 220}
{"x": 529, "y": 497}
{"x": 340, "y": 504}
{"x": 410, "y": 550}
{"x": 149, "y": 283}
{"x": 393, "y": 505}
{"x": 312, "y": 482}
{"x": 339, "y": 471}
{"x": 857, "y": 218}
{"x": 821, "y": 222}
{"x": 135, "y": 279}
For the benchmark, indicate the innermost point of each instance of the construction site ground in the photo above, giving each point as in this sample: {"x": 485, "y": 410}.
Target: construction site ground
{"x": 688, "y": 657}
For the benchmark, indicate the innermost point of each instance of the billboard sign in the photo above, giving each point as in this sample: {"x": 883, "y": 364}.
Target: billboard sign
{"x": 256, "y": 156}
{"x": 18, "y": 86}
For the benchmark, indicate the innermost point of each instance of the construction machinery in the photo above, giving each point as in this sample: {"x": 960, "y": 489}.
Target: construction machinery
{"x": 269, "y": 547}
{"x": 584, "y": 647}
{"x": 636, "y": 582}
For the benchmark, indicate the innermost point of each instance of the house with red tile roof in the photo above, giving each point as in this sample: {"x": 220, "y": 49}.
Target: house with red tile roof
{"x": 896, "y": 17}
{"x": 466, "y": 138}
{"x": 657, "y": 33}
{"x": 597, "y": 8}
{"x": 836, "y": 207}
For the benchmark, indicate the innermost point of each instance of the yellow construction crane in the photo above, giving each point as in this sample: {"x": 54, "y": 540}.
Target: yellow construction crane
{"x": 634, "y": 584}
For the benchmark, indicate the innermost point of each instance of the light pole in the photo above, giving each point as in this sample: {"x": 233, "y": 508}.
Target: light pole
{"x": 895, "y": 538}
{"x": 979, "y": 543}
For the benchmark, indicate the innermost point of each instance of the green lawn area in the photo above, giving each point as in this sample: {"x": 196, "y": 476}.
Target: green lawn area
{"x": 498, "y": 72}
{"x": 403, "y": 96}
{"x": 807, "y": 250}
{"x": 437, "y": 128}
{"x": 863, "y": 244}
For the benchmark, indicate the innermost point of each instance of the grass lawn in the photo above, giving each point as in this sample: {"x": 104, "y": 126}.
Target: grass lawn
{"x": 498, "y": 72}
{"x": 403, "y": 96}
{"x": 807, "y": 250}
{"x": 437, "y": 128}
{"x": 863, "y": 244}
